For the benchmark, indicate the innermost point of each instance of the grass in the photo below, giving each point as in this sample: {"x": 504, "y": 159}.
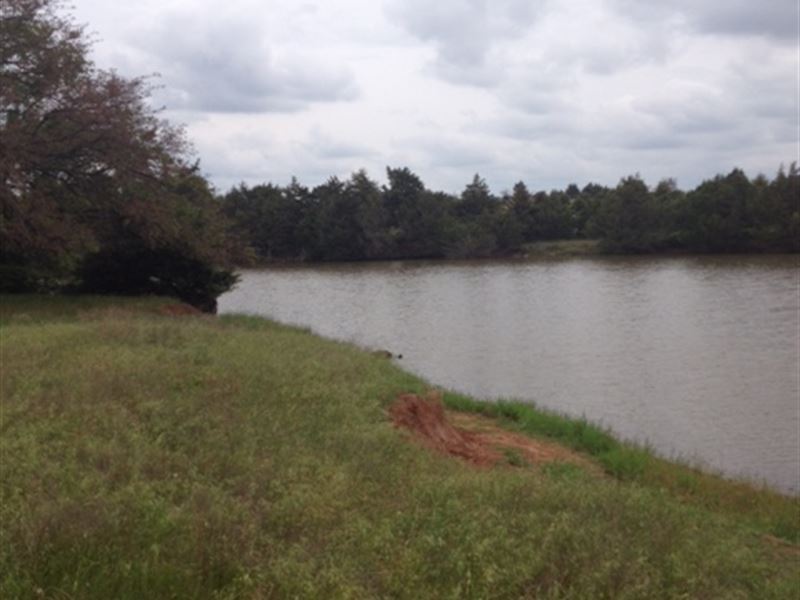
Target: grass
{"x": 764, "y": 509}
{"x": 562, "y": 248}
{"x": 159, "y": 457}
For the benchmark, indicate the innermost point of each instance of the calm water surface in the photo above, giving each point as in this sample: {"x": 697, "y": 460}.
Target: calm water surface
{"x": 699, "y": 357}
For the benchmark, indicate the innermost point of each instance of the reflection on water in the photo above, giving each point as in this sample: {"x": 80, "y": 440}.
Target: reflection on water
{"x": 696, "y": 356}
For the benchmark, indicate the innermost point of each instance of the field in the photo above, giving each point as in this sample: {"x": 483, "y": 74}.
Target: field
{"x": 148, "y": 455}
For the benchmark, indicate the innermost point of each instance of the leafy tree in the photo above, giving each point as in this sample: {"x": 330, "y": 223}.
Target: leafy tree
{"x": 365, "y": 195}
{"x": 670, "y": 205}
{"x": 572, "y": 191}
{"x": 248, "y": 208}
{"x": 83, "y": 158}
{"x": 718, "y": 218}
{"x": 507, "y": 229}
{"x": 271, "y": 218}
{"x": 776, "y": 211}
{"x": 552, "y": 216}
{"x": 584, "y": 209}
{"x": 350, "y": 223}
{"x": 476, "y": 199}
{"x": 415, "y": 216}
{"x": 468, "y": 239}
{"x": 521, "y": 207}
{"x": 627, "y": 219}
{"x": 401, "y": 196}
{"x": 305, "y": 208}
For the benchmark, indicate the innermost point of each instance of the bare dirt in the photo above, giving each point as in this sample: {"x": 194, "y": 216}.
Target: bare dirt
{"x": 473, "y": 438}
{"x": 425, "y": 419}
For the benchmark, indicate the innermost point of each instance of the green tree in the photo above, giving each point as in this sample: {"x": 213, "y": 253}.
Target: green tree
{"x": 776, "y": 211}
{"x": 627, "y": 218}
{"x": 350, "y": 224}
{"x": 415, "y": 216}
{"x": 305, "y": 207}
{"x": 521, "y": 207}
{"x": 85, "y": 162}
{"x": 552, "y": 217}
{"x": 476, "y": 199}
{"x": 584, "y": 209}
{"x": 717, "y": 217}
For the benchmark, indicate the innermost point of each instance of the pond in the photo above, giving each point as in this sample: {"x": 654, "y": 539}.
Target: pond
{"x": 699, "y": 357}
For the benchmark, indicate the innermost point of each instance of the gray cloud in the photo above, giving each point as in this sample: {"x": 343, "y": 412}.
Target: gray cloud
{"x": 445, "y": 151}
{"x": 547, "y": 92}
{"x": 772, "y": 18}
{"x": 464, "y": 32}
{"x": 224, "y": 64}
{"x": 326, "y": 147}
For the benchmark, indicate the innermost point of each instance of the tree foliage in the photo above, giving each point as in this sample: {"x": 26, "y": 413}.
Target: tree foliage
{"x": 357, "y": 220}
{"x": 90, "y": 176}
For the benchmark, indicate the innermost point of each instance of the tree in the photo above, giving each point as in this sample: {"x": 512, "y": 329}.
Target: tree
{"x": 476, "y": 199}
{"x": 415, "y": 216}
{"x": 521, "y": 207}
{"x": 350, "y": 222}
{"x": 718, "y": 219}
{"x": 585, "y": 207}
{"x": 552, "y": 216}
{"x": 670, "y": 205}
{"x": 268, "y": 217}
{"x": 88, "y": 169}
{"x": 627, "y": 219}
{"x": 783, "y": 232}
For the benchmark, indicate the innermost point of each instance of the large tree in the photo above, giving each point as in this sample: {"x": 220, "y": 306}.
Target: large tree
{"x": 628, "y": 218}
{"x": 89, "y": 172}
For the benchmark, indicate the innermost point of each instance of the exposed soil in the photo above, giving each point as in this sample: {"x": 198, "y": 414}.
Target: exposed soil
{"x": 473, "y": 438}
{"x": 425, "y": 418}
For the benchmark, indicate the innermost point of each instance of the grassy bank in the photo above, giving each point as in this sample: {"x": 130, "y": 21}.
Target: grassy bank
{"x": 153, "y": 456}
{"x": 562, "y": 248}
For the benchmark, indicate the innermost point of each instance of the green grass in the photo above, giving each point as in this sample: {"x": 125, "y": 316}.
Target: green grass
{"x": 562, "y": 248}
{"x": 145, "y": 456}
{"x": 27, "y": 309}
{"x": 764, "y": 509}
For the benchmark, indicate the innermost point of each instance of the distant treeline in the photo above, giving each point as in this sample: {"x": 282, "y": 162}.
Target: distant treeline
{"x": 358, "y": 219}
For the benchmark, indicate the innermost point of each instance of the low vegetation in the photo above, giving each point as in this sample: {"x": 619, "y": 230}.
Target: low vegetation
{"x": 146, "y": 455}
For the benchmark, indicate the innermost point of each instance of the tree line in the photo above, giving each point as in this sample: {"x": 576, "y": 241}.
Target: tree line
{"x": 358, "y": 219}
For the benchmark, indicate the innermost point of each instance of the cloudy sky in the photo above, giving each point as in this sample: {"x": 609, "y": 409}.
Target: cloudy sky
{"x": 545, "y": 91}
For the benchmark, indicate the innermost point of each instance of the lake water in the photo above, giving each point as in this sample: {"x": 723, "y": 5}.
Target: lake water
{"x": 697, "y": 356}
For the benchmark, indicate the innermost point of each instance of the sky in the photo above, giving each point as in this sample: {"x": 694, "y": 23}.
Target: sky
{"x": 544, "y": 91}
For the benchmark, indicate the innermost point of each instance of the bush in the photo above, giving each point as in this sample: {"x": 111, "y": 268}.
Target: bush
{"x": 138, "y": 270}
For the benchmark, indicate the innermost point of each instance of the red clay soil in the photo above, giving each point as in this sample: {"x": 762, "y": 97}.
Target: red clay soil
{"x": 179, "y": 310}
{"x": 425, "y": 418}
{"x": 473, "y": 438}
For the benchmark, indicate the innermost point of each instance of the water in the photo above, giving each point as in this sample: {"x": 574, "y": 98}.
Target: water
{"x": 697, "y": 356}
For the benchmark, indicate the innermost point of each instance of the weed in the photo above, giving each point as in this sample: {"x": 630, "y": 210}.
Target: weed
{"x": 514, "y": 458}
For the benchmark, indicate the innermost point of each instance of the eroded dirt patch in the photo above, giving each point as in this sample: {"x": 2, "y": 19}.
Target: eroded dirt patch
{"x": 474, "y": 438}
{"x": 425, "y": 419}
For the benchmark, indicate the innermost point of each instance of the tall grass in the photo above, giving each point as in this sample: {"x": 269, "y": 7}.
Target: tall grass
{"x": 146, "y": 456}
